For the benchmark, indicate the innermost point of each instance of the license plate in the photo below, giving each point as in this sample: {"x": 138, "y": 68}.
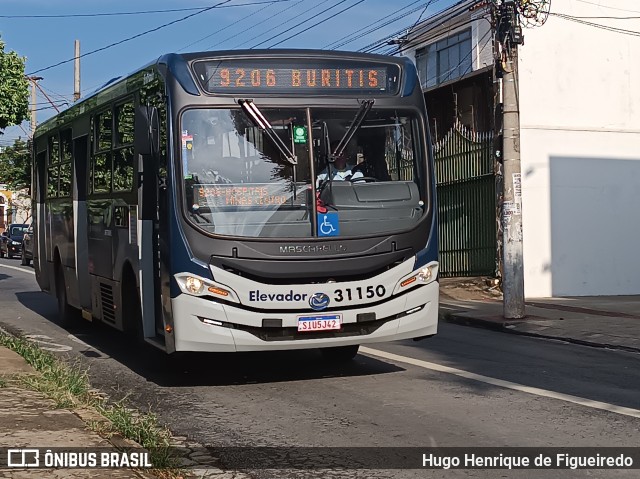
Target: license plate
{"x": 319, "y": 322}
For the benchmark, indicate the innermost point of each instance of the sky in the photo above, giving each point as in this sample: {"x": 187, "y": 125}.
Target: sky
{"x": 47, "y": 41}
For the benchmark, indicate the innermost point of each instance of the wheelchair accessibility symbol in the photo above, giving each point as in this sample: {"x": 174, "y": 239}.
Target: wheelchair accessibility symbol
{"x": 328, "y": 224}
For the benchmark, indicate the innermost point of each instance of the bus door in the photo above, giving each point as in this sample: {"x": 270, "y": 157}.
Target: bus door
{"x": 146, "y": 150}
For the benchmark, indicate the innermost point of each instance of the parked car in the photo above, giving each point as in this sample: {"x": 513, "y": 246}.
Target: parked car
{"x": 11, "y": 244}
{"x": 27, "y": 247}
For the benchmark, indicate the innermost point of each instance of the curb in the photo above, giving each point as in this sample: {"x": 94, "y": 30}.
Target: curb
{"x": 89, "y": 414}
{"x": 509, "y": 327}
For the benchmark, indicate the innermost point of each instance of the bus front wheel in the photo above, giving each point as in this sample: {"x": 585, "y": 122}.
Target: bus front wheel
{"x": 67, "y": 314}
{"x": 340, "y": 354}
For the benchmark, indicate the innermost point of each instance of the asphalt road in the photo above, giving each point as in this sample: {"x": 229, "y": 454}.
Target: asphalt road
{"x": 465, "y": 387}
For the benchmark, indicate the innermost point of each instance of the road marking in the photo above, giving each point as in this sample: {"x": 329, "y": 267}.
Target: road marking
{"x": 18, "y": 269}
{"x": 504, "y": 384}
{"x": 45, "y": 342}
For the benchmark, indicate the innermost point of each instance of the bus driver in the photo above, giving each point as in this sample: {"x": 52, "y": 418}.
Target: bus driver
{"x": 340, "y": 169}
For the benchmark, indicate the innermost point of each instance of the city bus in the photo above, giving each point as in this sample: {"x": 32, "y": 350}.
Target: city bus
{"x": 244, "y": 201}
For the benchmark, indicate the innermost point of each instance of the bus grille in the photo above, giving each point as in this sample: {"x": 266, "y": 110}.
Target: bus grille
{"x": 108, "y": 306}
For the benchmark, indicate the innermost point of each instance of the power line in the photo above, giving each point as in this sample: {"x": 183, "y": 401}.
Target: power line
{"x": 252, "y": 27}
{"x": 228, "y": 26}
{"x": 623, "y": 31}
{"x": 132, "y": 37}
{"x": 422, "y": 13}
{"x": 383, "y": 41}
{"x": 453, "y": 11}
{"x": 425, "y": 38}
{"x": 372, "y": 27}
{"x": 318, "y": 23}
{"x": 144, "y": 12}
{"x": 609, "y": 7}
{"x": 298, "y": 24}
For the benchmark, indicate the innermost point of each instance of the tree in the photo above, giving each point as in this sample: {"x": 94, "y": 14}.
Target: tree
{"x": 15, "y": 166}
{"x": 14, "y": 89}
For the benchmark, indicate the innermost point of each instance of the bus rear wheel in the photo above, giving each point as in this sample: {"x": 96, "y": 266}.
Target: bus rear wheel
{"x": 340, "y": 354}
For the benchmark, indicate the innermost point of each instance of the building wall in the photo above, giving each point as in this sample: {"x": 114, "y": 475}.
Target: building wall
{"x": 481, "y": 35}
{"x": 580, "y": 137}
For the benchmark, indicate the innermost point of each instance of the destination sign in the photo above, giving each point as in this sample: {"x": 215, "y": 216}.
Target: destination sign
{"x": 249, "y": 195}
{"x": 336, "y": 77}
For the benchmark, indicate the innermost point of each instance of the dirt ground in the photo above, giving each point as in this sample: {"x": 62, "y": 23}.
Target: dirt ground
{"x": 464, "y": 289}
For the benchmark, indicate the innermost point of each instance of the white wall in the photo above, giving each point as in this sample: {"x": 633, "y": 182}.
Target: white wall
{"x": 580, "y": 127}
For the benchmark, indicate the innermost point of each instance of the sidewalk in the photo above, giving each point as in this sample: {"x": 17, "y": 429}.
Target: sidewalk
{"x": 29, "y": 419}
{"x": 599, "y": 321}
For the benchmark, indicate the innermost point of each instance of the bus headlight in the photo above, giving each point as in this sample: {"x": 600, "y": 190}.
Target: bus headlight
{"x": 198, "y": 286}
{"x": 425, "y": 274}
{"x": 193, "y": 285}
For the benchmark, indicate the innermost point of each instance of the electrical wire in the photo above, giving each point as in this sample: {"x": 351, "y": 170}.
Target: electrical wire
{"x": 382, "y": 43}
{"x": 298, "y": 24}
{"x": 318, "y": 23}
{"x": 609, "y": 7}
{"x": 144, "y": 12}
{"x": 570, "y": 18}
{"x": 372, "y": 27}
{"x": 425, "y": 33}
{"x": 425, "y": 39}
{"x": 252, "y": 27}
{"x": 227, "y": 27}
{"x": 130, "y": 38}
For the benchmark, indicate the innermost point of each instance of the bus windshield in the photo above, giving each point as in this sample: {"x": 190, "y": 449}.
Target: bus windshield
{"x": 238, "y": 183}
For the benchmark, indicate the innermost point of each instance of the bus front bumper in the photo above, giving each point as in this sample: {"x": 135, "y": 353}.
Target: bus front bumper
{"x": 197, "y": 324}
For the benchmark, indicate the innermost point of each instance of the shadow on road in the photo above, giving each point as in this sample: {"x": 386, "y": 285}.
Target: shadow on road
{"x": 201, "y": 369}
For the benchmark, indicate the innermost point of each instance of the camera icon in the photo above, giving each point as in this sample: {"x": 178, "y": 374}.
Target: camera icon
{"x": 23, "y": 458}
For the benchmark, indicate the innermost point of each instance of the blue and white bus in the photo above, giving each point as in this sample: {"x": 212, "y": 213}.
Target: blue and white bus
{"x": 244, "y": 201}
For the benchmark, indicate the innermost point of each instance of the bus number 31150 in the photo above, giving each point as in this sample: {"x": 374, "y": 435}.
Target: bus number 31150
{"x": 359, "y": 293}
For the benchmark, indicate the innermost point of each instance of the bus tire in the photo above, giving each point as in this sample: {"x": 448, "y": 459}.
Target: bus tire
{"x": 340, "y": 354}
{"x": 67, "y": 314}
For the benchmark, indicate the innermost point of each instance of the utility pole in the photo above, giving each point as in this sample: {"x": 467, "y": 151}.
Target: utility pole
{"x": 509, "y": 37}
{"x": 34, "y": 102}
{"x": 76, "y": 72}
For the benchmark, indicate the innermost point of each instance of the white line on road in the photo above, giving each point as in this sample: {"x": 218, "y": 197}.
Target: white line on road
{"x": 501, "y": 383}
{"x": 46, "y": 342}
{"x": 17, "y": 269}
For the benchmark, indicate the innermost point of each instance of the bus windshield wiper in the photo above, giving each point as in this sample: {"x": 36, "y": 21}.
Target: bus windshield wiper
{"x": 257, "y": 117}
{"x": 365, "y": 107}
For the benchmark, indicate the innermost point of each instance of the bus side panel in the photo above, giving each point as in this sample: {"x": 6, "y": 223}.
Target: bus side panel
{"x": 81, "y": 253}
{"x": 39, "y": 224}
{"x": 99, "y": 217}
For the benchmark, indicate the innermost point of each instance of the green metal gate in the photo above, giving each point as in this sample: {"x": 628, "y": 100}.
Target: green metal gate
{"x": 466, "y": 186}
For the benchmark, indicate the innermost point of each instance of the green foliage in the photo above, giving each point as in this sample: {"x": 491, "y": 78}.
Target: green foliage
{"x": 15, "y": 166}
{"x": 14, "y": 89}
